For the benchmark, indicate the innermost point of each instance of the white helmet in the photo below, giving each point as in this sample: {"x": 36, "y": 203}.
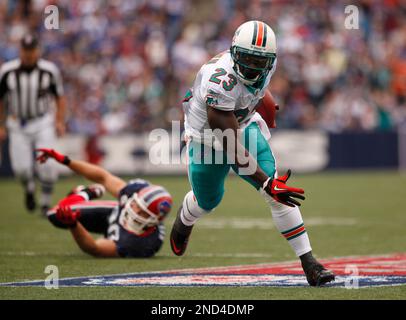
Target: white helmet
{"x": 155, "y": 203}
{"x": 253, "y": 51}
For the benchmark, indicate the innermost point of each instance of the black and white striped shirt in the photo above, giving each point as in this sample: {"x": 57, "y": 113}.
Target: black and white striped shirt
{"x": 27, "y": 93}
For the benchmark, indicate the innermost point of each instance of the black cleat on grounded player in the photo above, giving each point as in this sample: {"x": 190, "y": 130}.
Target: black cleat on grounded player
{"x": 30, "y": 203}
{"x": 179, "y": 235}
{"x": 316, "y": 274}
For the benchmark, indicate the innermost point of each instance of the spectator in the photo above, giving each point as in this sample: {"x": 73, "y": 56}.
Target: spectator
{"x": 130, "y": 62}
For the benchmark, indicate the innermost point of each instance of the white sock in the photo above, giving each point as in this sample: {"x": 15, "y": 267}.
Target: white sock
{"x": 46, "y": 194}
{"x": 84, "y": 195}
{"x": 46, "y": 199}
{"x": 191, "y": 211}
{"x": 29, "y": 184}
{"x": 290, "y": 224}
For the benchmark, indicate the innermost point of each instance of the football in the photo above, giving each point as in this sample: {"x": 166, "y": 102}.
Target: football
{"x": 267, "y": 108}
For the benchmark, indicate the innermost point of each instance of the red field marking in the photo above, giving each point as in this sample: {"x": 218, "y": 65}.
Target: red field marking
{"x": 394, "y": 264}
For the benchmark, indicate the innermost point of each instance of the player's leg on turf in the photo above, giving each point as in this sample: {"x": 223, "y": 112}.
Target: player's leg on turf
{"x": 94, "y": 215}
{"x": 21, "y": 157}
{"x": 287, "y": 219}
{"x": 47, "y": 172}
{"x": 207, "y": 181}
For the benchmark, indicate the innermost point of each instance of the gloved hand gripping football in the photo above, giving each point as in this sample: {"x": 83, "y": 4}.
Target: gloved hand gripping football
{"x": 282, "y": 193}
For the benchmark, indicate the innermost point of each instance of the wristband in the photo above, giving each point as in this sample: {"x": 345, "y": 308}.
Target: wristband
{"x": 266, "y": 183}
{"x": 66, "y": 160}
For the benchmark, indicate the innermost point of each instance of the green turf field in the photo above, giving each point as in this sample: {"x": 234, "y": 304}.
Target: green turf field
{"x": 351, "y": 213}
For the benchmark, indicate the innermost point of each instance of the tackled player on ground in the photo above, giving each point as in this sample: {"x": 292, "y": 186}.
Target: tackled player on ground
{"x": 131, "y": 227}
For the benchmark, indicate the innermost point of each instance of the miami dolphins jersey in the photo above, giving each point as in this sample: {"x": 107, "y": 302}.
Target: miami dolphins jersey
{"x": 216, "y": 86}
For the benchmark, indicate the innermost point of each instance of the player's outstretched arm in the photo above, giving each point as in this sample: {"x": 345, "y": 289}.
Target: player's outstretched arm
{"x": 112, "y": 183}
{"x": 97, "y": 248}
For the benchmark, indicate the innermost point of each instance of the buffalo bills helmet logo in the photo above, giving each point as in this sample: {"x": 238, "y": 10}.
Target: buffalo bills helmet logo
{"x": 164, "y": 207}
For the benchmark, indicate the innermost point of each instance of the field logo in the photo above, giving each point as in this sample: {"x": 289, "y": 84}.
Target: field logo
{"x": 351, "y": 273}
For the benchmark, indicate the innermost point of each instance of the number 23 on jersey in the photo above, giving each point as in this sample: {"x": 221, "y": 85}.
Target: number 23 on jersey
{"x": 227, "y": 85}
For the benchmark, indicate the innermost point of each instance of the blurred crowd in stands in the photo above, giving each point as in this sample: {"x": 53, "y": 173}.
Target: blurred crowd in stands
{"x": 127, "y": 63}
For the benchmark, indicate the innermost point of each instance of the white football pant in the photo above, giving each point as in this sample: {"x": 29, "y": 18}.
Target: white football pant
{"x": 37, "y": 133}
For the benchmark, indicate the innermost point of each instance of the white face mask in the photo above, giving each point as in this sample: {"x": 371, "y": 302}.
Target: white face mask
{"x": 251, "y": 68}
{"x": 136, "y": 222}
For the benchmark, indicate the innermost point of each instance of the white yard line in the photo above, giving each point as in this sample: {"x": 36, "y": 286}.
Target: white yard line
{"x": 267, "y": 223}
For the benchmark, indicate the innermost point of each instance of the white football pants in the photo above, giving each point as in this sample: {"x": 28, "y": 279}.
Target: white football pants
{"x": 36, "y": 133}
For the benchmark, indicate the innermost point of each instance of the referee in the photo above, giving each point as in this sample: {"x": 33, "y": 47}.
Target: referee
{"x": 30, "y": 88}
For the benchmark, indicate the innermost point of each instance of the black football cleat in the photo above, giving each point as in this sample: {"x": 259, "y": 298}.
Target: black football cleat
{"x": 179, "y": 235}
{"x": 30, "y": 203}
{"x": 316, "y": 274}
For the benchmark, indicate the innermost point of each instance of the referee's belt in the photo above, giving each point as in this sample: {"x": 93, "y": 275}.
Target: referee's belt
{"x": 24, "y": 121}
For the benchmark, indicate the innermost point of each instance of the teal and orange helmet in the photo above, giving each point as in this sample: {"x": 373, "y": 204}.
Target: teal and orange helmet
{"x": 253, "y": 51}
